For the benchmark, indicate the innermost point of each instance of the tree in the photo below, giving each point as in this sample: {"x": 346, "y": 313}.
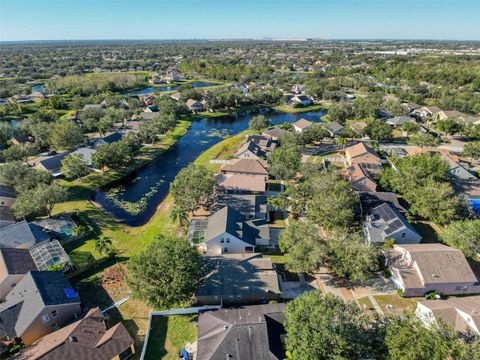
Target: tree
{"x": 114, "y": 155}
{"x": 258, "y": 123}
{"x": 166, "y": 273}
{"x": 294, "y": 199}
{"x": 314, "y": 133}
{"x": 464, "y": 235}
{"x": 423, "y": 140}
{"x": 104, "y": 246}
{"x": 20, "y": 152}
{"x": 340, "y": 112}
{"x": 23, "y": 177}
{"x": 472, "y": 149}
{"x": 284, "y": 162}
{"x": 351, "y": 257}
{"x": 39, "y": 200}
{"x": 192, "y": 187}
{"x": 303, "y": 246}
{"x": 333, "y": 201}
{"x": 73, "y": 166}
{"x": 181, "y": 215}
{"x": 6, "y": 132}
{"x": 449, "y": 126}
{"x": 325, "y": 327}
{"x": 90, "y": 118}
{"x": 378, "y": 130}
{"x": 66, "y": 135}
{"x": 410, "y": 127}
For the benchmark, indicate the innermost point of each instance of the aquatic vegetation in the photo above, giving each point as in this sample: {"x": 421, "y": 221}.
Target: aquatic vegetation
{"x": 131, "y": 207}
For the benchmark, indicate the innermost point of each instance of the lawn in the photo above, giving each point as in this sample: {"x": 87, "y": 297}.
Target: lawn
{"x": 292, "y": 110}
{"x": 168, "y": 335}
{"x": 400, "y": 304}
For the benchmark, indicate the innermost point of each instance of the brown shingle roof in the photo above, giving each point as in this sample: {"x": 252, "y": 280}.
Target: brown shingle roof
{"x": 302, "y": 124}
{"x": 360, "y": 150}
{"x": 251, "y": 166}
{"x": 255, "y": 183}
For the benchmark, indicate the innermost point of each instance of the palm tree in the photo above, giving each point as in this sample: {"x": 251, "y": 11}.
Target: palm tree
{"x": 181, "y": 215}
{"x": 103, "y": 245}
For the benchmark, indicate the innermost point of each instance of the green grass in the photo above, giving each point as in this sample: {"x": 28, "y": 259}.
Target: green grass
{"x": 169, "y": 335}
{"x": 292, "y": 110}
{"x": 400, "y": 304}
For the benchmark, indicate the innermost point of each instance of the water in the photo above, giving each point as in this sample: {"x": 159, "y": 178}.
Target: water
{"x": 159, "y": 173}
{"x": 150, "y": 90}
{"x": 38, "y": 88}
{"x": 475, "y": 204}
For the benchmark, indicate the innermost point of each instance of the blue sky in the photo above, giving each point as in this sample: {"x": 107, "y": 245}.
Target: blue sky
{"x": 200, "y": 19}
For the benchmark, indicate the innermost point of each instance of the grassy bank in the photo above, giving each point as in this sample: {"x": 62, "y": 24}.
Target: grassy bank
{"x": 292, "y": 110}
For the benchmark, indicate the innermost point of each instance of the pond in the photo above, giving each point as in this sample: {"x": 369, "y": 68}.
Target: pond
{"x": 134, "y": 199}
{"x": 38, "y": 88}
{"x": 150, "y": 90}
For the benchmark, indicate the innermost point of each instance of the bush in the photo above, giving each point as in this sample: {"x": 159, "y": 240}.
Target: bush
{"x": 400, "y": 292}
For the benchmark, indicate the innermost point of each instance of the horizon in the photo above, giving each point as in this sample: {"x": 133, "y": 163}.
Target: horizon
{"x": 104, "y": 20}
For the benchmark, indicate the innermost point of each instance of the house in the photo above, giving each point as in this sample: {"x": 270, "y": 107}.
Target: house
{"x": 358, "y": 178}
{"x": 410, "y": 106}
{"x": 333, "y": 128}
{"x": 21, "y": 139}
{"x": 194, "y": 105}
{"x": 21, "y": 236}
{"x": 418, "y": 269}
{"x": 177, "y": 96}
{"x": 363, "y": 154}
{"x": 8, "y": 195}
{"x": 60, "y": 226}
{"x": 245, "y": 166}
{"x": 239, "y": 279}
{"x": 155, "y": 79}
{"x": 426, "y": 112}
{"x": 370, "y": 200}
{"x": 458, "y": 172}
{"x": 173, "y": 75}
{"x": 301, "y": 99}
{"x": 250, "y": 150}
{"x": 264, "y": 142}
{"x": 42, "y": 302}
{"x": 88, "y": 338}
{"x": 253, "y": 207}
{"x": 398, "y": 121}
{"x": 14, "y": 264}
{"x": 301, "y": 125}
{"x": 241, "y": 183}
{"x": 358, "y": 126}
{"x": 461, "y": 314}
{"x": 228, "y": 231}
{"x": 85, "y": 154}
{"x": 275, "y": 133}
{"x": 109, "y": 139}
{"x": 299, "y": 89}
{"x": 50, "y": 254}
{"x": 52, "y": 163}
{"x": 242, "y": 87}
{"x": 457, "y": 115}
{"x": 384, "y": 222}
{"x": 250, "y": 332}
{"x": 6, "y": 216}
{"x": 147, "y": 115}
{"x": 93, "y": 106}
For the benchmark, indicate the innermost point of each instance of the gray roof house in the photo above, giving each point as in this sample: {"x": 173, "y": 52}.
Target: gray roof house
{"x": 250, "y": 206}
{"x": 384, "y": 222}
{"x": 21, "y": 235}
{"x": 8, "y": 195}
{"x": 109, "y": 139}
{"x": 399, "y": 120}
{"x": 6, "y": 217}
{"x": 250, "y": 150}
{"x": 86, "y": 154}
{"x": 239, "y": 279}
{"x": 274, "y": 133}
{"x": 52, "y": 164}
{"x": 370, "y": 200}
{"x": 42, "y": 302}
{"x": 333, "y": 128}
{"x": 14, "y": 264}
{"x": 248, "y": 333}
{"x": 228, "y": 231}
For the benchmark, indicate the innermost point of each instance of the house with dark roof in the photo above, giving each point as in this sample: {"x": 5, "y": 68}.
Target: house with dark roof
{"x": 418, "y": 269}
{"x": 14, "y": 264}
{"x": 398, "y": 121}
{"x": 264, "y": 142}
{"x": 370, "y": 200}
{"x": 6, "y": 217}
{"x": 334, "y": 128}
{"x": 274, "y": 133}
{"x": 42, "y": 302}
{"x": 301, "y": 99}
{"x": 194, "y": 105}
{"x": 109, "y": 139}
{"x": 85, "y": 154}
{"x": 85, "y": 339}
{"x": 384, "y": 222}
{"x": 22, "y": 235}
{"x": 52, "y": 163}
{"x": 249, "y": 333}
{"x": 8, "y": 195}
{"x": 228, "y": 231}
{"x": 250, "y": 150}
{"x": 239, "y": 279}
{"x": 253, "y": 207}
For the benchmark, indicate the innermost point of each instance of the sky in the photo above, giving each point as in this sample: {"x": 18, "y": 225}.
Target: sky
{"x": 239, "y": 19}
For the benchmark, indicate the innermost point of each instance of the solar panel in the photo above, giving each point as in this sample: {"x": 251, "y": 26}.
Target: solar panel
{"x": 70, "y": 293}
{"x": 394, "y": 226}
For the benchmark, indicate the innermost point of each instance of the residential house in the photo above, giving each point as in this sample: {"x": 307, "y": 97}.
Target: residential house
{"x": 370, "y": 200}
{"x": 6, "y": 216}
{"x": 457, "y": 115}
{"x": 358, "y": 126}
{"x": 301, "y": 99}
{"x": 52, "y": 163}
{"x": 8, "y": 195}
{"x": 418, "y": 269}
{"x": 21, "y": 139}
{"x": 155, "y": 79}
{"x": 358, "y": 178}
{"x": 275, "y": 133}
{"x": 22, "y": 236}
{"x": 241, "y": 183}
{"x": 88, "y": 338}
{"x": 173, "y": 75}
{"x": 250, "y": 150}
{"x": 334, "y": 128}
{"x": 242, "y": 87}
{"x": 384, "y": 223}
{"x": 14, "y": 264}
{"x": 299, "y": 89}
{"x": 109, "y": 139}
{"x": 364, "y": 155}
{"x": 410, "y": 106}
{"x": 458, "y": 172}
{"x": 42, "y": 302}
{"x": 426, "y": 112}
{"x": 177, "y": 96}
{"x": 250, "y": 332}
{"x": 398, "y": 121}
{"x": 228, "y": 231}
{"x": 245, "y": 166}
{"x": 50, "y": 254}
{"x": 194, "y": 105}
{"x": 301, "y": 125}
{"x": 264, "y": 142}
{"x": 462, "y": 313}
{"x": 239, "y": 279}
{"x": 85, "y": 154}
{"x": 147, "y": 115}
{"x": 253, "y": 207}
{"x": 93, "y": 106}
